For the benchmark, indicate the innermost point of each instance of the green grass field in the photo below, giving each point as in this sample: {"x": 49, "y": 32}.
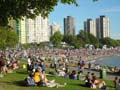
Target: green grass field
{"x": 14, "y": 81}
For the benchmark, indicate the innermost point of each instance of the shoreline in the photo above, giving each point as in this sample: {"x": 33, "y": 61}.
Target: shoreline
{"x": 90, "y": 59}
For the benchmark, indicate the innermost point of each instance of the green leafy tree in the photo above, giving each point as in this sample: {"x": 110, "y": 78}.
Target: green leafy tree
{"x": 30, "y": 8}
{"x": 76, "y": 43}
{"x": 68, "y": 39}
{"x": 72, "y": 40}
{"x": 88, "y": 38}
{"x": 108, "y": 41}
{"x": 84, "y": 37}
{"x": 117, "y": 42}
{"x": 56, "y": 38}
{"x": 3, "y": 37}
{"x": 8, "y": 37}
{"x": 93, "y": 40}
{"x": 12, "y": 38}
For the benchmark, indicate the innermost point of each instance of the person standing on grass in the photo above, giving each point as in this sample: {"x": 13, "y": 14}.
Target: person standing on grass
{"x": 80, "y": 65}
{"x": 118, "y": 85}
{"x": 115, "y": 82}
{"x": 55, "y": 63}
{"x": 89, "y": 65}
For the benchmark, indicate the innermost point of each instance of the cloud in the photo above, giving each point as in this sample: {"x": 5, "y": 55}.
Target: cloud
{"x": 110, "y": 10}
{"x": 115, "y": 35}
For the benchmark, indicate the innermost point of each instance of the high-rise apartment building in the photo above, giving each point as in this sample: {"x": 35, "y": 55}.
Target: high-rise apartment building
{"x": 103, "y": 27}
{"x": 99, "y": 28}
{"x": 90, "y": 26}
{"x": 69, "y": 26}
{"x": 37, "y": 30}
{"x": 54, "y": 28}
{"x": 32, "y": 30}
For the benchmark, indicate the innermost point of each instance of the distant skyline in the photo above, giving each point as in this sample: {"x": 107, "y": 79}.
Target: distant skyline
{"x": 89, "y": 9}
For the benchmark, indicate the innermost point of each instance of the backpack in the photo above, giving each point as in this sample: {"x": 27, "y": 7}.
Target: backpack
{"x": 29, "y": 81}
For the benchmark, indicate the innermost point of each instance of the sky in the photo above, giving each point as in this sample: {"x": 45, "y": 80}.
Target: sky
{"x": 89, "y": 9}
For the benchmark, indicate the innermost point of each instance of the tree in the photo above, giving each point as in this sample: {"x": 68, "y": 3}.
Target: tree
{"x": 17, "y": 9}
{"x": 3, "y": 37}
{"x": 72, "y": 40}
{"x": 76, "y": 43}
{"x": 68, "y": 39}
{"x": 12, "y": 38}
{"x": 8, "y": 37}
{"x": 83, "y": 36}
{"x": 88, "y": 38}
{"x": 108, "y": 41}
{"x": 56, "y": 38}
{"x": 93, "y": 40}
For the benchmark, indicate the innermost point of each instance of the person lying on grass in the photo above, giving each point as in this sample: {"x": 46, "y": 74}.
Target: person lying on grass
{"x": 49, "y": 83}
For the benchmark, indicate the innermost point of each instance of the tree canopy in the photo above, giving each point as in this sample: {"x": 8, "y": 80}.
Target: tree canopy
{"x": 72, "y": 40}
{"x": 30, "y": 8}
{"x": 56, "y": 38}
{"x": 88, "y": 38}
{"x": 8, "y": 37}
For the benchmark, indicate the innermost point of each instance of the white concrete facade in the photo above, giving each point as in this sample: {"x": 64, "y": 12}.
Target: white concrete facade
{"x": 37, "y": 30}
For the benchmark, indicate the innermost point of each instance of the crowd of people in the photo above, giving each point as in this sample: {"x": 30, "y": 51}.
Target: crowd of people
{"x": 92, "y": 81}
{"x": 8, "y": 63}
{"x": 36, "y": 64}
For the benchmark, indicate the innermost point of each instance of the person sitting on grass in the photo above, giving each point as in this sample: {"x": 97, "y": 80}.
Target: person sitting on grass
{"x": 88, "y": 82}
{"x": 94, "y": 80}
{"x": 29, "y": 81}
{"x": 61, "y": 72}
{"x": 37, "y": 77}
{"x": 49, "y": 83}
{"x": 73, "y": 75}
{"x": 3, "y": 68}
{"x": 103, "y": 85}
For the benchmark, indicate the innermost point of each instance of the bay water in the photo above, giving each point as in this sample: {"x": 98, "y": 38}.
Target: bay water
{"x": 109, "y": 61}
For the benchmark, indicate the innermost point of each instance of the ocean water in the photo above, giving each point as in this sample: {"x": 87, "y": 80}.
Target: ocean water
{"x": 109, "y": 61}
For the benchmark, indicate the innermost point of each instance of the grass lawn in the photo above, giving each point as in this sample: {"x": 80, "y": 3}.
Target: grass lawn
{"x": 13, "y": 81}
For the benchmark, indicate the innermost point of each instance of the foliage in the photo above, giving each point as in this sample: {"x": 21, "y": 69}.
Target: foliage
{"x": 88, "y": 38}
{"x": 12, "y": 38}
{"x": 110, "y": 42}
{"x": 56, "y": 38}
{"x": 76, "y": 43}
{"x": 3, "y": 37}
{"x": 93, "y": 40}
{"x": 68, "y": 39}
{"x": 72, "y": 40}
{"x": 30, "y": 8}
{"x": 83, "y": 36}
{"x": 8, "y": 37}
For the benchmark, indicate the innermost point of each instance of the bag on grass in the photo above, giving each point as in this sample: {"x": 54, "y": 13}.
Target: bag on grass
{"x": 29, "y": 81}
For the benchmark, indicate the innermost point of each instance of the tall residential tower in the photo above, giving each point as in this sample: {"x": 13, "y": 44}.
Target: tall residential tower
{"x": 69, "y": 26}
{"x": 90, "y": 26}
{"x": 54, "y": 27}
{"x": 103, "y": 27}
{"x": 100, "y": 28}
